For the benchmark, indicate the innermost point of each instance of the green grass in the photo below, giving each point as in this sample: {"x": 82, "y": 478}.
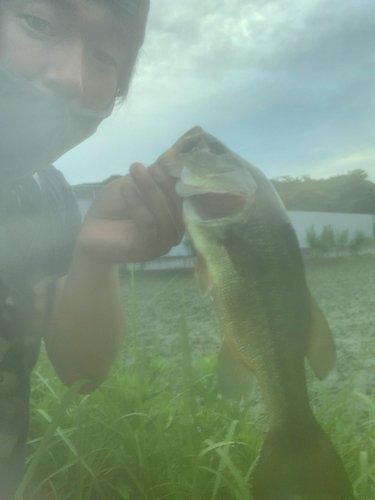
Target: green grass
{"x": 157, "y": 428}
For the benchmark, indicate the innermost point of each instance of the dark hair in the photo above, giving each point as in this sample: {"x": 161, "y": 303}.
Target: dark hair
{"x": 135, "y": 12}
{"x": 127, "y": 74}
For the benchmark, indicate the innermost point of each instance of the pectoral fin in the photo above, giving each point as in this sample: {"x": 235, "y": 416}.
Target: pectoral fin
{"x": 234, "y": 377}
{"x": 322, "y": 353}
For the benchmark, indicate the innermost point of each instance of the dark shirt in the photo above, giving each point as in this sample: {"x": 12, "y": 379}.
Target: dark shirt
{"x": 39, "y": 224}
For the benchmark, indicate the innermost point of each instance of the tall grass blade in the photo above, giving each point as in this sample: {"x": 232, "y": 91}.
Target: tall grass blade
{"x": 140, "y": 372}
{"x": 187, "y": 370}
{"x": 187, "y": 381}
{"x": 223, "y": 452}
{"x": 51, "y": 429}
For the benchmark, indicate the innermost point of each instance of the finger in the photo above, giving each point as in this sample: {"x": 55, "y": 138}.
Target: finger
{"x": 166, "y": 182}
{"x": 168, "y": 185}
{"x": 136, "y": 209}
{"x": 139, "y": 240}
{"x": 158, "y": 203}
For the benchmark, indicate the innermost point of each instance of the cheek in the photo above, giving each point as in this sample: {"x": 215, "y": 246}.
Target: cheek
{"x": 19, "y": 53}
{"x": 99, "y": 89}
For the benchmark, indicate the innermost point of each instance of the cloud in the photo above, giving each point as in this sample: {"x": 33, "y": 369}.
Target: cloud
{"x": 286, "y": 84}
{"x": 214, "y": 39}
{"x": 364, "y": 160}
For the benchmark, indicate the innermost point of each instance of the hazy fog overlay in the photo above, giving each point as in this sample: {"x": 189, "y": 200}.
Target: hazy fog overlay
{"x": 289, "y": 86}
{"x": 286, "y": 84}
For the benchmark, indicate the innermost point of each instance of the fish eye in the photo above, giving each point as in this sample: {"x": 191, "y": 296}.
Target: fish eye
{"x": 190, "y": 144}
{"x": 217, "y": 148}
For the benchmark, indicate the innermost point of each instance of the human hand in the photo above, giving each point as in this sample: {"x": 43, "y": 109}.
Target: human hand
{"x": 134, "y": 218}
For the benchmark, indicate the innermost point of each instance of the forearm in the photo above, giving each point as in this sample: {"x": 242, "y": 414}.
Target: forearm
{"x": 135, "y": 218}
{"x": 87, "y": 323}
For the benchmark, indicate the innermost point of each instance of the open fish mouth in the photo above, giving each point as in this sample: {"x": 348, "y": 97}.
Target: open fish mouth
{"x": 210, "y": 206}
{"x": 212, "y": 202}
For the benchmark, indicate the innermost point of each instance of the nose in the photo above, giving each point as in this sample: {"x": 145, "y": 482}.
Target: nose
{"x": 63, "y": 76}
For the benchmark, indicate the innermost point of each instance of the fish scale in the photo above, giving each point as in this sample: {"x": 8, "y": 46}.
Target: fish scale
{"x": 238, "y": 304}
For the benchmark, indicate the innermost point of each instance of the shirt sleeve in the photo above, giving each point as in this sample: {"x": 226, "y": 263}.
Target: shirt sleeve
{"x": 63, "y": 217}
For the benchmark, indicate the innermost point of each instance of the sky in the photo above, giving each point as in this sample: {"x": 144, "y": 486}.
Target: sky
{"x": 287, "y": 84}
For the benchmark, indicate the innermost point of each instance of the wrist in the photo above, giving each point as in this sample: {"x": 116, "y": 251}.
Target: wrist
{"x": 105, "y": 242}
{"x": 89, "y": 263}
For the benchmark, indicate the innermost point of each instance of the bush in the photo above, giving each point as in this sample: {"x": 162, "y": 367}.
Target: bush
{"x": 329, "y": 241}
{"x": 323, "y": 243}
{"x": 360, "y": 242}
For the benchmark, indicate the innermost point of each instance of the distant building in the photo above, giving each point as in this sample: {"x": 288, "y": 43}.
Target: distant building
{"x": 180, "y": 256}
{"x": 85, "y": 193}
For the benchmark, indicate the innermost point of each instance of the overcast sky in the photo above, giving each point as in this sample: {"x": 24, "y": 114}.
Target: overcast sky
{"x": 287, "y": 84}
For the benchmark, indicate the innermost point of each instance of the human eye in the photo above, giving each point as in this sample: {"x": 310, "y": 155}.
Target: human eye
{"x": 104, "y": 58}
{"x": 39, "y": 25}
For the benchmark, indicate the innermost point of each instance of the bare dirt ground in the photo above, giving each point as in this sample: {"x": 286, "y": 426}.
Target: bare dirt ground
{"x": 343, "y": 288}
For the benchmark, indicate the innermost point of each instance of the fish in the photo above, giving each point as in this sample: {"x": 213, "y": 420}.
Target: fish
{"x": 249, "y": 261}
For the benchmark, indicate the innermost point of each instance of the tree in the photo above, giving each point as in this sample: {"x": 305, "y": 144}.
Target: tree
{"x": 111, "y": 178}
{"x": 350, "y": 193}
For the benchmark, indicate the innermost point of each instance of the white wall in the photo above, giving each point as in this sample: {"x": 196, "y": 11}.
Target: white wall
{"x": 301, "y": 222}
{"x": 340, "y": 222}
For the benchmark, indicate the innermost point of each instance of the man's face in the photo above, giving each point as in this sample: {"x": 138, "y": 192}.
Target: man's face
{"x": 75, "y": 50}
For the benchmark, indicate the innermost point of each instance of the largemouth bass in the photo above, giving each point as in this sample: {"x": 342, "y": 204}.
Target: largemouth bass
{"x": 249, "y": 261}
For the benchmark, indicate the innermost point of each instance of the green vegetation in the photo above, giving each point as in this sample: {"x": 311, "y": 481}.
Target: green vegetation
{"x": 350, "y": 193}
{"x": 157, "y": 428}
{"x": 329, "y": 242}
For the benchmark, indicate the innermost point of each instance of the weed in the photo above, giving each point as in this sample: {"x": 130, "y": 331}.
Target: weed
{"x": 157, "y": 428}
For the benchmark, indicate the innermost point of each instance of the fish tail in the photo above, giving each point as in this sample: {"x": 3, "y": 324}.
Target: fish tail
{"x": 303, "y": 468}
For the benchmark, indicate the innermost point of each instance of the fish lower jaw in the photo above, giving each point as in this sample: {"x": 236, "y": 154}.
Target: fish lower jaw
{"x": 211, "y": 205}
